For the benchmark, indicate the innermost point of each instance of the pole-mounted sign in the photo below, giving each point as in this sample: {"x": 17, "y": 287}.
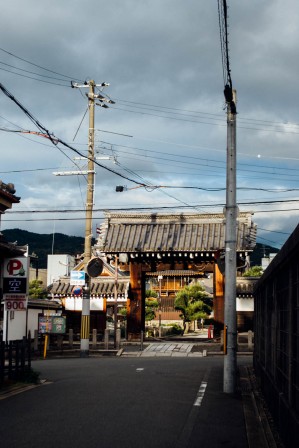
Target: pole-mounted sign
{"x": 15, "y": 283}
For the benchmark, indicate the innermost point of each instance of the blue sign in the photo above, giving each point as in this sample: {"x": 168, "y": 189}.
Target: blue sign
{"x": 77, "y": 278}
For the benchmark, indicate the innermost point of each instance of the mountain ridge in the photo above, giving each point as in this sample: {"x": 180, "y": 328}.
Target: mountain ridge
{"x": 43, "y": 244}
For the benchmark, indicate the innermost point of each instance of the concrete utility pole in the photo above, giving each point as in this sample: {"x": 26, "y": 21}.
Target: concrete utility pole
{"x": 85, "y": 318}
{"x": 115, "y": 301}
{"x": 231, "y": 213}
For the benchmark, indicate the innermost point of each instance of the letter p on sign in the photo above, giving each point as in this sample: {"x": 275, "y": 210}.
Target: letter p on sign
{"x": 14, "y": 266}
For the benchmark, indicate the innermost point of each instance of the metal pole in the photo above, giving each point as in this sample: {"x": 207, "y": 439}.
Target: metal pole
{"x": 230, "y": 314}
{"x": 160, "y": 277}
{"x": 85, "y": 318}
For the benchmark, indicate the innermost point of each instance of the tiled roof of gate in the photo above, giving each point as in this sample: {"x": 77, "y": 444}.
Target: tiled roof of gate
{"x": 129, "y": 233}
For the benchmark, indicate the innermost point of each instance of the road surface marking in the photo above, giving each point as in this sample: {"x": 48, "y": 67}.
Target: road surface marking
{"x": 200, "y": 394}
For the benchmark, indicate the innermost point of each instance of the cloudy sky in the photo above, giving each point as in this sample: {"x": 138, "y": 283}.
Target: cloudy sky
{"x": 167, "y": 127}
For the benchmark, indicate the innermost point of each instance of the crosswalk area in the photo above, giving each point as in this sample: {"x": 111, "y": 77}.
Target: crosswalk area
{"x": 165, "y": 349}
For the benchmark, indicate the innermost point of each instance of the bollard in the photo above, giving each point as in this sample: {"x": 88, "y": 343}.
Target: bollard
{"x": 117, "y": 339}
{"x": 106, "y": 339}
{"x": 141, "y": 340}
{"x": 94, "y": 339}
{"x": 71, "y": 338}
{"x": 60, "y": 341}
{"x": 250, "y": 340}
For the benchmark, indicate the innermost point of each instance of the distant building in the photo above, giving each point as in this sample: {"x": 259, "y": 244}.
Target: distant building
{"x": 267, "y": 260}
{"x": 59, "y": 266}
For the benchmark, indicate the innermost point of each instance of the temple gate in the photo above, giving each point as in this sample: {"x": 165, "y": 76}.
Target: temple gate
{"x": 152, "y": 243}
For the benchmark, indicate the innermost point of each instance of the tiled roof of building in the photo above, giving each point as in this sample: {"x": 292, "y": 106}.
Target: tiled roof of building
{"x": 10, "y": 249}
{"x": 99, "y": 286}
{"x": 129, "y": 233}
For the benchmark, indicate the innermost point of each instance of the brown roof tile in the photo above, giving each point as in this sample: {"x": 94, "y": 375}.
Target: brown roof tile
{"x": 129, "y": 233}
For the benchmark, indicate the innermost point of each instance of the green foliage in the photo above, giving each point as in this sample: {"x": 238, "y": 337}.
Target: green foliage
{"x": 151, "y": 293}
{"x": 151, "y": 304}
{"x": 175, "y": 329}
{"x": 254, "y": 271}
{"x": 193, "y": 302}
{"x": 123, "y": 311}
{"x": 37, "y": 290}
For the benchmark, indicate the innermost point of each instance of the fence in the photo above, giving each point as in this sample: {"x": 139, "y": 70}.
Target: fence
{"x": 276, "y": 349}
{"x": 15, "y": 360}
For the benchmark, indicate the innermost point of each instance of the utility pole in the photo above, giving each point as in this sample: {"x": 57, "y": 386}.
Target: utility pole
{"x": 160, "y": 278}
{"x": 115, "y": 300}
{"x": 231, "y": 213}
{"x": 85, "y": 317}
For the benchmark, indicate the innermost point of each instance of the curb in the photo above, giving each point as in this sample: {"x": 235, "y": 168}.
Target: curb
{"x": 18, "y": 388}
{"x": 259, "y": 432}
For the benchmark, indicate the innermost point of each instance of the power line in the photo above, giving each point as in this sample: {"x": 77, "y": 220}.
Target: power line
{"x": 35, "y": 79}
{"x": 135, "y": 103}
{"x": 39, "y": 66}
{"x": 55, "y": 140}
{"x": 209, "y": 205}
{"x": 32, "y": 73}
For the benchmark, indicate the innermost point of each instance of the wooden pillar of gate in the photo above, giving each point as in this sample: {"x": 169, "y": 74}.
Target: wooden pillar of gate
{"x": 218, "y": 302}
{"x": 135, "y": 305}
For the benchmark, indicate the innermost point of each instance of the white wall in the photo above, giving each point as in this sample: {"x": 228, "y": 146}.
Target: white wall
{"x": 59, "y": 266}
{"x": 14, "y": 325}
{"x": 32, "y": 323}
{"x": 15, "y": 321}
{"x": 245, "y": 304}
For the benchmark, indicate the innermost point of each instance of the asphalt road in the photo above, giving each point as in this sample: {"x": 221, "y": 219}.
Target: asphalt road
{"x": 125, "y": 403}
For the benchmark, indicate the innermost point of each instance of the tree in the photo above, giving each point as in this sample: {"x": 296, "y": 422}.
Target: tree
{"x": 151, "y": 304}
{"x": 37, "y": 290}
{"x": 194, "y": 303}
{"x": 254, "y": 271}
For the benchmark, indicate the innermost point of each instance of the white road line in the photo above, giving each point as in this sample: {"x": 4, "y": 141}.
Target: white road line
{"x": 200, "y": 394}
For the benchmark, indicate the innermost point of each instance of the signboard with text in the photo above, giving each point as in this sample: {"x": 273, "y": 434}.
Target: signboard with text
{"x": 15, "y": 283}
{"x": 77, "y": 278}
{"x": 15, "y": 302}
{"x": 51, "y": 324}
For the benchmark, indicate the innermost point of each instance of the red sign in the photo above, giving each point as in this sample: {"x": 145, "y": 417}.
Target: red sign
{"x": 16, "y": 267}
{"x": 17, "y": 302}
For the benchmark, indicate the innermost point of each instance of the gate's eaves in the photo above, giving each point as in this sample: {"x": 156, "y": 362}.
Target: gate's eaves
{"x": 131, "y": 233}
